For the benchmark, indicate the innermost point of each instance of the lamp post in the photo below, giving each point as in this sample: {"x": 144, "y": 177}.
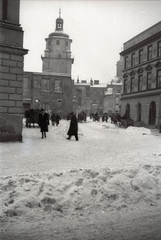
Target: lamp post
{"x": 39, "y": 103}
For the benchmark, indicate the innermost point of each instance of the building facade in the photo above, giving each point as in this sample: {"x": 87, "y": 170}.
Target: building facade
{"x": 112, "y": 98}
{"x": 11, "y": 71}
{"x": 52, "y": 89}
{"x": 141, "y": 93}
{"x": 89, "y": 96}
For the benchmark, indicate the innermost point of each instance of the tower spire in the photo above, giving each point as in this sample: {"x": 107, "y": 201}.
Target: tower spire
{"x": 59, "y": 12}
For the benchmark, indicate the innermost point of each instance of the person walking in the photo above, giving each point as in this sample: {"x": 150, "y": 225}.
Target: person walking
{"x": 73, "y": 128}
{"x": 57, "y": 119}
{"x": 53, "y": 119}
{"x": 43, "y": 122}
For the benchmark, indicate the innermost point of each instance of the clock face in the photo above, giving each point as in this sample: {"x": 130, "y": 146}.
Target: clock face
{"x": 57, "y": 48}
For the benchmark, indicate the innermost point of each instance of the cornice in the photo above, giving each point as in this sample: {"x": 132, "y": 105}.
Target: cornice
{"x": 146, "y": 93}
{"x": 141, "y": 44}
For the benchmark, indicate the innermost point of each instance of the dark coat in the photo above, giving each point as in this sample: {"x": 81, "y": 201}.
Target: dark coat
{"x": 57, "y": 119}
{"x": 73, "y": 128}
{"x": 43, "y": 122}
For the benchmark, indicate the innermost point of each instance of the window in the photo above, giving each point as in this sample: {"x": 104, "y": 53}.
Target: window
{"x": 140, "y": 80}
{"x": 45, "y": 106}
{"x": 45, "y": 85}
{"x": 132, "y": 84}
{"x": 59, "y": 25}
{"x": 125, "y": 86}
{"x": 159, "y": 49}
{"x": 58, "y": 86}
{"x": 133, "y": 60}
{"x": 66, "y": 43}
{"x": 159, "y": 79}
{"x": 4, "y": 7}
{"x": 57, "y": 42}
{"x": 141, "y": 56}
{"x": 25, "y": 84}
{"x": 149, "y": 52}
{"x": 126, "y": 62}
{"x": 148, "y": 85}
{"x": 36, "y": 84}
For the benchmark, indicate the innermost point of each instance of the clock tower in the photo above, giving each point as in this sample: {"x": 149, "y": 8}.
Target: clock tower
{"x": 57, "y": 55}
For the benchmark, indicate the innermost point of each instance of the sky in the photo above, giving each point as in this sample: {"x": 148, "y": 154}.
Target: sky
{"x": 98, "y": 30}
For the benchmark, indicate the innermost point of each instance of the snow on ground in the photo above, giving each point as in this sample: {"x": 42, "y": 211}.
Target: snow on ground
{"x": 105, "y": 186}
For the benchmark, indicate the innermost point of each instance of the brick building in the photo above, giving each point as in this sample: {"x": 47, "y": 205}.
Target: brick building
{"x": 141, "y": 97}
{"x": 11, "y": 71}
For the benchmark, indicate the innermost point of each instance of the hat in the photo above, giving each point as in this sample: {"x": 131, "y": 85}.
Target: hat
{"x": 42, "y": 109}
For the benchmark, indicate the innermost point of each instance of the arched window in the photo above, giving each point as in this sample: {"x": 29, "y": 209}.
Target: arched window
{"x": 57, "y": 42}
{"x": 139, "y": 112}
{"x": 152, "y": 112}
{"x": 127, "y": 110}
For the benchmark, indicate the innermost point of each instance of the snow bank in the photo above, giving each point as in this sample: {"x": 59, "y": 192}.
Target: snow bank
{"x": 78, "y": 192}
{"x": 138, "y": 130}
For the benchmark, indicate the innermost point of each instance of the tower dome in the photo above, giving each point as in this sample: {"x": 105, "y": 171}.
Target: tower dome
{"x": 59, "y": 28}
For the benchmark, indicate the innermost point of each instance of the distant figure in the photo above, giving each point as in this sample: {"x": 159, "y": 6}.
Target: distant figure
{"x": 57, "y": 119}
{"x": 73, "y": 128}
{"x": 43, "y": 122}
{"x": 53, "y": 119}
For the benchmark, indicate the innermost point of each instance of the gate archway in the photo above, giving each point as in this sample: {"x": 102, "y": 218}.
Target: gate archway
{"x": 152, "y": 113}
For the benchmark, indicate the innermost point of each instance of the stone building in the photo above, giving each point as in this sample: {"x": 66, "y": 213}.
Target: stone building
{"x": 11, "y": 71}
{"x": 97, "y": 92}
{"x": 52, "y": 89}
{"x": 89, "y": 96}
{"x": 112, "y": 97}
{"x": 141, "y": 97}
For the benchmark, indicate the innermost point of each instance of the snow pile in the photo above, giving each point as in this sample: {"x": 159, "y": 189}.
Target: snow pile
{"x": 78, "y": 192}
{"x": 138, "y": 130}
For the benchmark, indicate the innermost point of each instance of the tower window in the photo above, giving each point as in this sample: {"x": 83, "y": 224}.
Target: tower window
{"x": 66, "y": 43}
{"x": 57, "y": 42}
{"x": 59, "y": 25}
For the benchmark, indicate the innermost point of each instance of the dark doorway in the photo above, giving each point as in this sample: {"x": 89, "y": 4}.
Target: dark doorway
{"x": 139, "y": 112}
{"x": 127, "y": 110}
{"x": 152, "y": 113}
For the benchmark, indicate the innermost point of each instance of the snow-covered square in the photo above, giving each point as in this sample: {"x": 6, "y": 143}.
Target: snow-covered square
{"x": 107, "y": 185}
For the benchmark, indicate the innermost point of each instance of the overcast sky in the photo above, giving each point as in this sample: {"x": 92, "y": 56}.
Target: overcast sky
{"x": 98, "y": 30}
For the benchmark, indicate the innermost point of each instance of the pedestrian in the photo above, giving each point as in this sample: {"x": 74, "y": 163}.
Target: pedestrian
{"x": 43, "y": 122}
{"x": 57, "y": 119}
{"x": 73, "y": 128}
{"x": 53, "y": 119}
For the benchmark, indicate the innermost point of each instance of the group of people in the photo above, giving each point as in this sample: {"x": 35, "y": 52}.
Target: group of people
{"x": 44, "y": 122}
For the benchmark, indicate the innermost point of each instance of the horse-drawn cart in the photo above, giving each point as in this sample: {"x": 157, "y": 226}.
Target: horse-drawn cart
{"x": 122, "y": 121}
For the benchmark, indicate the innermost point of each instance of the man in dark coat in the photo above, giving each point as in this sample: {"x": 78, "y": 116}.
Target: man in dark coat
{"x": 57, "y": 119}
{"x": 73, "y": 128}
{"x": 43, "y": 122}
